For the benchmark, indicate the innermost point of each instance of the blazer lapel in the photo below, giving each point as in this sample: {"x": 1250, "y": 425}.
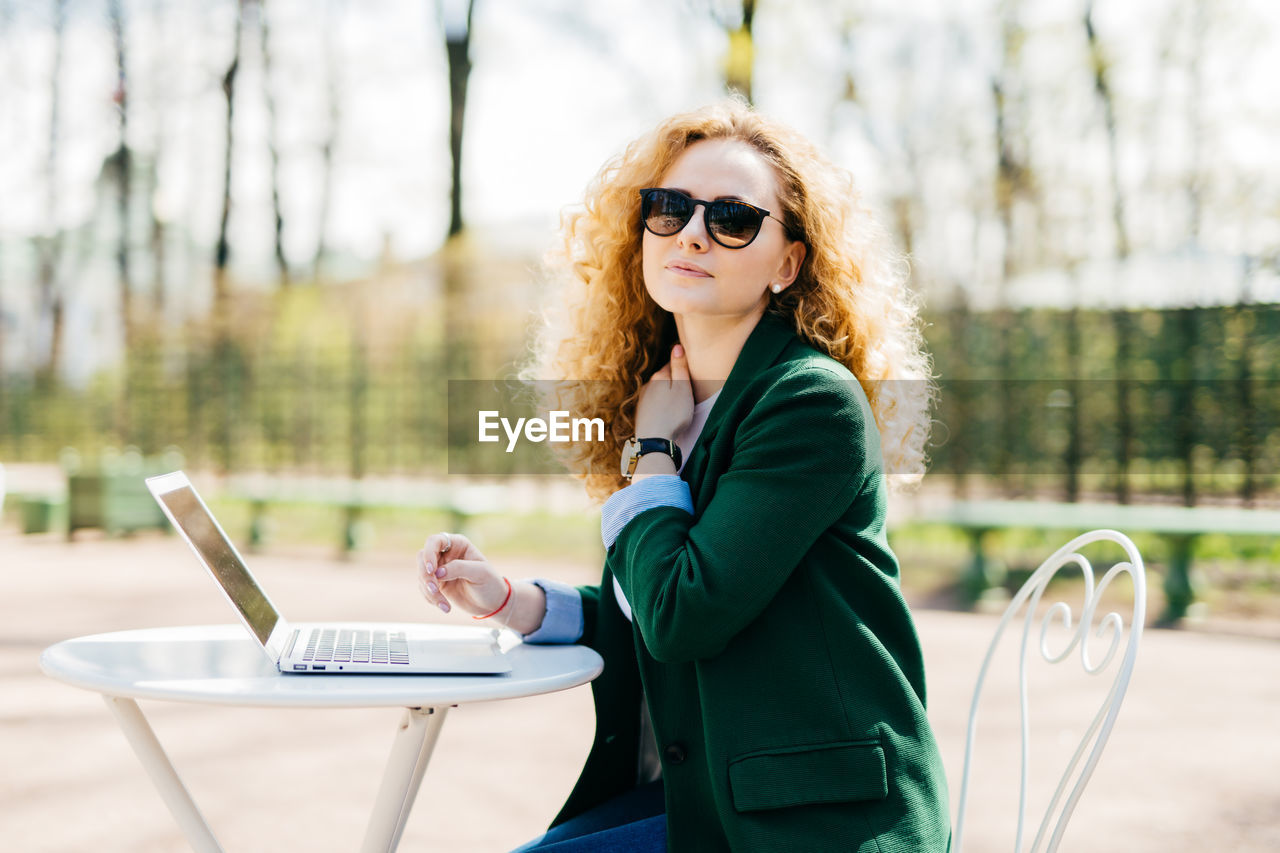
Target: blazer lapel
{"x": 761, "y": 350}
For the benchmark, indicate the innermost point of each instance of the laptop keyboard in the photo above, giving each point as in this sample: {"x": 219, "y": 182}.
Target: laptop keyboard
{"x": 350, "y": 645}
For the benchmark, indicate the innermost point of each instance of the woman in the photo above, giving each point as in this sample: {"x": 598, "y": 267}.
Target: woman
{"x": 739, "y": 321}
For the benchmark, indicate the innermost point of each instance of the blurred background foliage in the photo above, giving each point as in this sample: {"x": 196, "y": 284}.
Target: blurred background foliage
{"x": 269, "y": 232}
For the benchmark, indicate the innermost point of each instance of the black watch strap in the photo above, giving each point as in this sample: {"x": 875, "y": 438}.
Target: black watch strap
{"x": 659, "y": 445}
{"x": 638, "y": 447}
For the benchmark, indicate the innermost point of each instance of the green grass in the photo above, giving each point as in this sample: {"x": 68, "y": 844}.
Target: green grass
{"x": 571, "y": 538}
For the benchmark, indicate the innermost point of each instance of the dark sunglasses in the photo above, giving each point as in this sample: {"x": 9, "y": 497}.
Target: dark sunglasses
{"x": 732, "y": 224}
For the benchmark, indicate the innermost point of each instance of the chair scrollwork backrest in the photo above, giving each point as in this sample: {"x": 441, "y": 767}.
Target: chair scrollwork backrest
{"x": 1109, "y": 629}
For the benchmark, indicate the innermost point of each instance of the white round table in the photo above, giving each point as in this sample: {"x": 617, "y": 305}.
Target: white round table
{"x": 223, "y": 665}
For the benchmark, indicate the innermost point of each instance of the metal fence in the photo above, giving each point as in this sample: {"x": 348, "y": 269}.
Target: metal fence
{"x": 1176, "y": 405}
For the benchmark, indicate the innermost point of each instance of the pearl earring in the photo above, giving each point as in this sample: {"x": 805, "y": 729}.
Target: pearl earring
{"x": 777, "y": 288}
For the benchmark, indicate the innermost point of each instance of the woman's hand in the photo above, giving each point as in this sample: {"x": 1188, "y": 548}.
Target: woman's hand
{"x": 666, "y": 401}
{"x": 459, "y": 575}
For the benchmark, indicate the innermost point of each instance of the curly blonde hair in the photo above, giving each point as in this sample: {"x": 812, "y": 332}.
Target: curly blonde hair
{"x": 606, "y": 336}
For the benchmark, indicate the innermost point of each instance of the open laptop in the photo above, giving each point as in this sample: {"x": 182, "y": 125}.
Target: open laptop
{"x": 318, "y": 648}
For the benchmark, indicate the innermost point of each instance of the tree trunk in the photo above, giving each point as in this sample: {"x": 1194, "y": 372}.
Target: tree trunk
{"x": 273, "y": 144}
{"x": 1012, "y": 183}
{"x": 740, "y": 63}
{"x": 1120, "y": 318}
{"x": 1195, "y": 202}
{"x": 50, "y": 248}
{"x": 157, "y": 235}
{"x": 158, "y": 239}
{"x": 1072, "y": 455}
{"x": 1187, "y": 422}
{"x": 457, "y": 49}
{"x": 1249, "y": 429}
{"x": 3, "y": 323}
{"x": 6, "y": 22}
{"x": 122, "y": 164}
{"x": 459, "y": 343}
{"x": 222, "y": 253}
{"x": 326, "y": 149}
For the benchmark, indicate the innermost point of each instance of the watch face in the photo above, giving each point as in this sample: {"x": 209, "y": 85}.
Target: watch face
{"x": 629, "y": 457}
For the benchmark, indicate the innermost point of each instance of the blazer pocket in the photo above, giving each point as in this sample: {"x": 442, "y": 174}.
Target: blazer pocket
{"x": 831, "y": 773}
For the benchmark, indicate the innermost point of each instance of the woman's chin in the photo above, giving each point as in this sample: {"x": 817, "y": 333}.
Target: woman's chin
{"x": 675, "y": 303}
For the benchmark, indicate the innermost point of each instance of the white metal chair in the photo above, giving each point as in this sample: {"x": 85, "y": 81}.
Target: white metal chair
{"x": 1080, "y": 635}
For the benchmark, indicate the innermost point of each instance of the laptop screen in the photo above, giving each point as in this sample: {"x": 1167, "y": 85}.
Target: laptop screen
{"x": 211, "y": 544}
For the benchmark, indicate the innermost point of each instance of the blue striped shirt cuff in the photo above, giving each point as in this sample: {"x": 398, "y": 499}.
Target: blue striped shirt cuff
{"x": 563, "y": 621}
{"x": 653, "y": 491}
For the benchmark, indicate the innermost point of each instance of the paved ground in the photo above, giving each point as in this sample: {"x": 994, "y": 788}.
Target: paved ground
{"x": 1193, "y": 763}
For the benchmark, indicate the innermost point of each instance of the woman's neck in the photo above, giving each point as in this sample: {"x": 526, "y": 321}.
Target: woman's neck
{"x": 712, "y": 346}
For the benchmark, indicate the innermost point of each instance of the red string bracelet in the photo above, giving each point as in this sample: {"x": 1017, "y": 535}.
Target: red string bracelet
{"x": 500, "y": 606}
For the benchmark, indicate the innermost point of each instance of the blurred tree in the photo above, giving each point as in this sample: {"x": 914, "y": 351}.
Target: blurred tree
{"x": 1100, "y": 69}
{"x": 158, "y": 236}
{"x": 1185, "y": 427}
{"x": 259, "y": 11}
{"x": 49, "y": 245}
{"x": 1099, "y": 66}
{"x": 740, "y": 63}
{"x": 120, "y": 166}
{"x": 455, "y": 20}
{"x": 1248, "y": 429}
{"x": 847, "y": 22}
{"x": 222, "y": 252}
{"x": 6, "y": 24}
{"x": 333, "y": 119}
{"x": 737, "y": 19}
{"x": 1195, "y": 120}
{"x": 1072, "y": 455}
{"x": 4, "y": 325}
{"x": 1013, "y": 184}
{"x": 457, "y": 257}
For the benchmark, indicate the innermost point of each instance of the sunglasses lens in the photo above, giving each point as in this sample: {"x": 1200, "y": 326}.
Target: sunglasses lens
{"x": 733, "y": 224}
{"x": 665, "y": 212}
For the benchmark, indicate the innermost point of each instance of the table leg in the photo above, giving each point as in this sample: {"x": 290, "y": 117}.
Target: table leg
{"x": 415, "y": 739}
{"x": 163, "y": 776}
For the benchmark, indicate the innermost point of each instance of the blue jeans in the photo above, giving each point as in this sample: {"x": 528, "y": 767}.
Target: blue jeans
{"x": 634, "y": 822}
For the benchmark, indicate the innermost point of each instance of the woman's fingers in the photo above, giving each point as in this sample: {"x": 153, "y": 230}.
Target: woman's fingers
{"x": 430, "y": 562}
{"x": 440, "y": 546}
{"x": 665, "y": 405}
{"x": 427, "y": 584}
{"x": 459, "y": 575}
{"x": 469, "y": 571}
{"x": 679, "y": 365}
{"x": 433, "y": 594}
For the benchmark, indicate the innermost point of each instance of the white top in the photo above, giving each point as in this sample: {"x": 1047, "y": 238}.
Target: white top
{"x": 688, "y": 436}
{"x": 223, "y": 665}
{"x": 685, "y": 440}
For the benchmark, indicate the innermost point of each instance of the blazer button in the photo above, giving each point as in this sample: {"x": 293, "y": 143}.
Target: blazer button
{"x": 674, "y": 753}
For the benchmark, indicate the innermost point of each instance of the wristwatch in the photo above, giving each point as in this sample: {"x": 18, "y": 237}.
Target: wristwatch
{"x": 634, "y": 448}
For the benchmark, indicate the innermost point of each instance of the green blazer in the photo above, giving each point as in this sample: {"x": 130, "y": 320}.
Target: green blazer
{"x": 779, "y": 661}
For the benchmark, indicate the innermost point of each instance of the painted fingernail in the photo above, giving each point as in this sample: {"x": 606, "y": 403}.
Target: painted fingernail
{"x": 434, "y": 589}
{"x": 444, "y": 605}
{"x": 440, "y": 572}
{"x": 431, "y": 567}
{"x": 677, "y": 350}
